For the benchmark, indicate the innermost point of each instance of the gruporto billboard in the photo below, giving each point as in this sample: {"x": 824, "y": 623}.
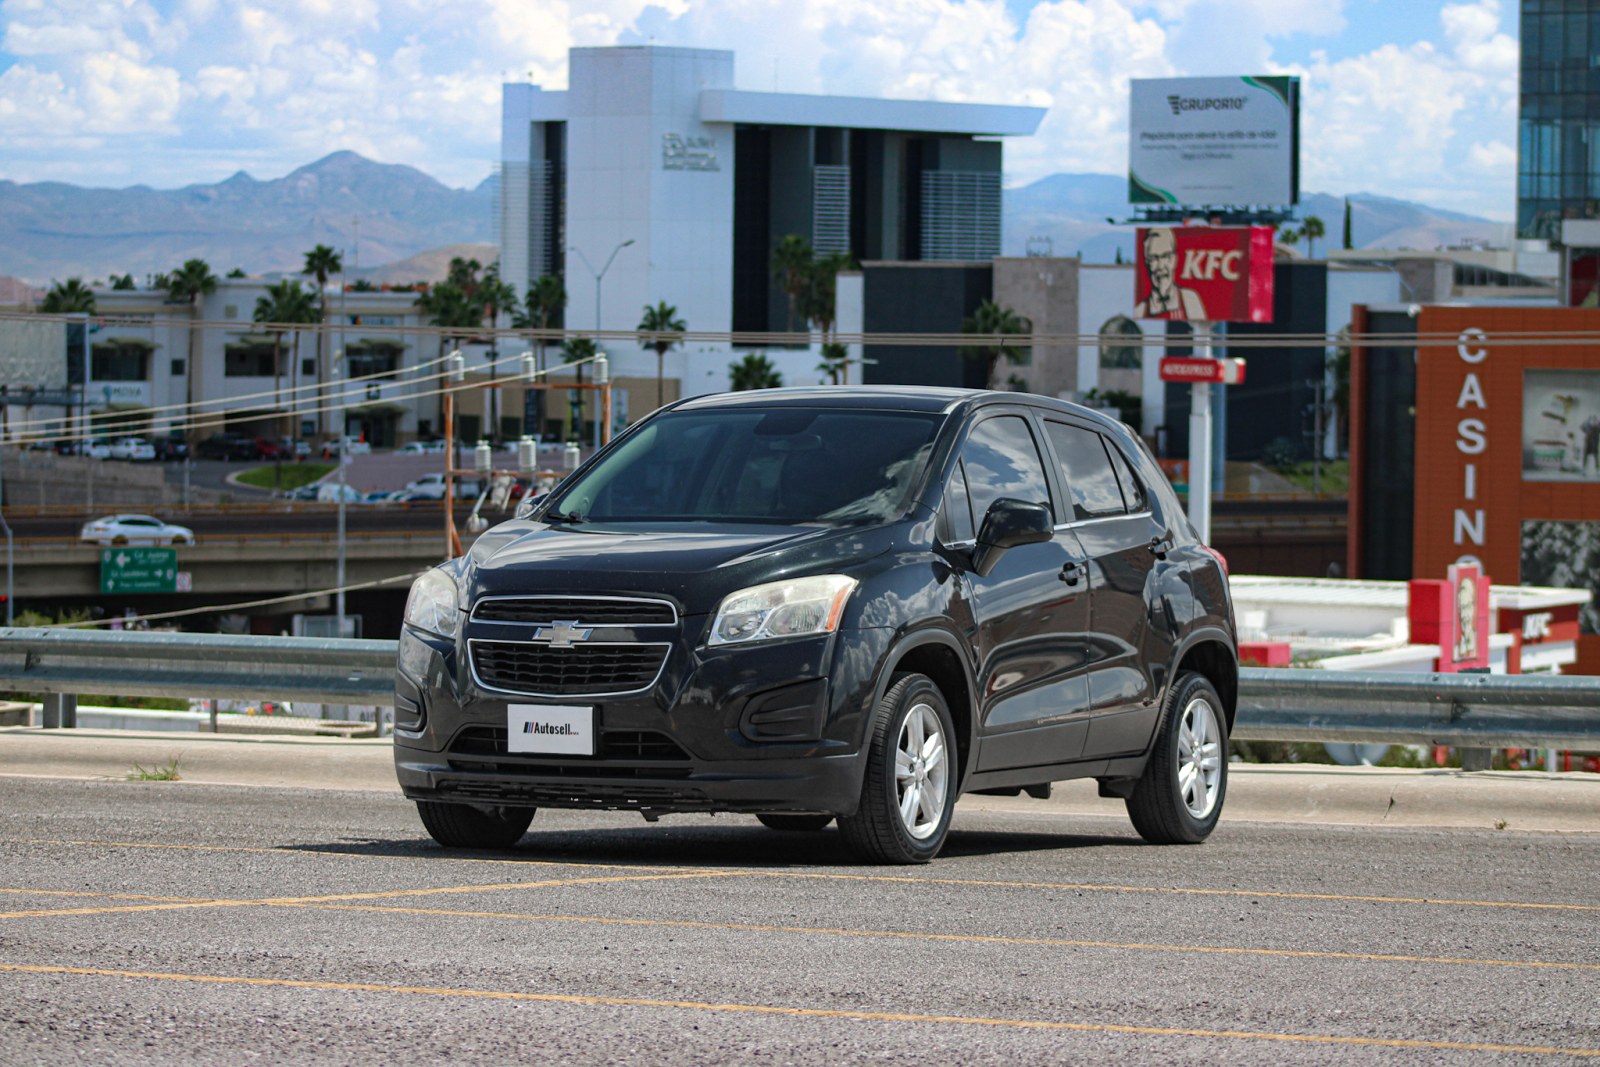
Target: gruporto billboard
{"x": 1214, "y": 142}
{"x": 1204, "y": 273}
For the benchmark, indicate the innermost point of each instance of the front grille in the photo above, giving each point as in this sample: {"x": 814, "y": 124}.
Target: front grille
{"x": 645, "y": 745}
{"x": 582, "y": 670}
{"x": 601, "y": 796}
{"x": 588, "y": 611}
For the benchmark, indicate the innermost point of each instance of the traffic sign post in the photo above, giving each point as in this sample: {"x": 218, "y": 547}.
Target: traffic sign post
{"x": 138, "y": 570}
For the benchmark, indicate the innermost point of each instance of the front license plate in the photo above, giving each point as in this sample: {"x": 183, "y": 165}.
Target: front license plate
{"x": 562, "y": 729}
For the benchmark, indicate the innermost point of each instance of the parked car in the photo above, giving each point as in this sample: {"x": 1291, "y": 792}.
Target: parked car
{"x": 431, "y": 487}
{"x": 240, "y": 446}
{"x": 331, "y": 492}
{"x": 413, "y": 448}
{"x": 131, "y": 529}
{"x": 170, "y": 448}
{"x": 349, "y": 445}
{"x": 132, "y": 448}
{"x": 809, "y": 605}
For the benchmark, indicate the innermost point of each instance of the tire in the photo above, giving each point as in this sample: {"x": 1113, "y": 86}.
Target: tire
{"x": 910, "y": 762}
{"x": 1179, "y": 798}
{"x": 468, "y": 826}
{"x": 793, "y": 822}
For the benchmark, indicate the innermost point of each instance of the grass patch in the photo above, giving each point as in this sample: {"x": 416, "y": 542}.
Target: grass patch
{"x": 106, "y": 700}
{"x": 1335, "y": 475}
{"x": 168, "y": 773}
{"x": 289, "y": 475}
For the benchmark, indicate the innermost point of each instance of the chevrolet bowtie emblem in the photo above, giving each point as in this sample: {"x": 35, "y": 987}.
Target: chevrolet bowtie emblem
{"x": 562, "y": 634}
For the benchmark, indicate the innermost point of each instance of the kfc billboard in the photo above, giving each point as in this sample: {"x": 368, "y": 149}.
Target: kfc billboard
{"x": 1209, "y": 273}
{"x": 1196, "y": 142}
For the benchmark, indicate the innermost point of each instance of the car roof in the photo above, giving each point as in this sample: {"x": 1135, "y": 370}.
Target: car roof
{"x": 886, "y": 397}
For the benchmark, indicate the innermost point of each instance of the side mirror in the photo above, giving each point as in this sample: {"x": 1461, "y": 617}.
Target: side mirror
{"x": 1007, "y": 524}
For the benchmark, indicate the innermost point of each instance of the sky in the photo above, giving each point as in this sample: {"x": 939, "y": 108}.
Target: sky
{"x": 1407, "y": 98}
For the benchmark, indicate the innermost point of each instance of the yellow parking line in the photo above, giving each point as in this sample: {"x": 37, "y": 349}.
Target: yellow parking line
{"x": 386, "y": 894}
{"x": 808, "y": 1013}
{"x": 1086, "y": 887}
{"x": 978, "y": 939}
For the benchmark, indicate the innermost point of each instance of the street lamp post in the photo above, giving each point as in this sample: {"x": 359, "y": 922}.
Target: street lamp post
{"x": 598, "y": 278}
{"x": 343, "y": 458}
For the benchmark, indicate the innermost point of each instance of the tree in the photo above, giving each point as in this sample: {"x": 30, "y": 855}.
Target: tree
{"x": 237, "y": 272}
{"x": 994, "y": 320}
{"x": 754, "y": 371}
{"x": 448, "y": 307}
{"x": 1349, "y": 230}
{"x": 1312, "y": 230}
{"x": 791, "y": 269}
{"x": 463, "y": 274}
{"x": 660, "y": 330}
{"x": 819, "y": 301}
{"x": 287, "y": 303}
{"x": 322, "y": 262}
{"x": 122, "y": 281}
{"x": 495, "y": 296}
{"x": 576, "y": 350}
{"x": 835, "y": 362}
{"x": 544, "y": 309}
{"x": 68, "y": 297}
{"x": 187, "y": 285}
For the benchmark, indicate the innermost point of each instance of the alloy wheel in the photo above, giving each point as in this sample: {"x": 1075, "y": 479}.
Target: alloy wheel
{"x": 1199, "y": 757}
{"x": 921, "y": 772}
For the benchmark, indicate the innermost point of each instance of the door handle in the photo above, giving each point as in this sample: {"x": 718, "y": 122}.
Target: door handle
{"x": 1070, "y": 573}
{"x": 1160, "y": 546}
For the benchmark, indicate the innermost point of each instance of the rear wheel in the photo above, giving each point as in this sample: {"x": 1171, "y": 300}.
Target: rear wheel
{"x": 468, "y": 826}
{"x": 794, "y": 822}
{"x": 910, "y": 788}
{"x": 1179, "y": 798}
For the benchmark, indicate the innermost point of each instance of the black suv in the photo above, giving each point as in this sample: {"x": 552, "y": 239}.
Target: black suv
{"x": 833, "y": 603}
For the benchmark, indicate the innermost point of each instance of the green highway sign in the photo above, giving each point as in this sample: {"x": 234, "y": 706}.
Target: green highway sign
{"x": 138, "y": 570}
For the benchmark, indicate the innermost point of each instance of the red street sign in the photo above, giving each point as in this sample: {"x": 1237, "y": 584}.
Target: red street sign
{"x": 1211, "y": 273}
{"x": 1200, "y": 369}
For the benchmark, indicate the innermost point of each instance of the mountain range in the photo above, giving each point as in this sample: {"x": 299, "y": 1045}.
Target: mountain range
{"x": 390, "y": 213}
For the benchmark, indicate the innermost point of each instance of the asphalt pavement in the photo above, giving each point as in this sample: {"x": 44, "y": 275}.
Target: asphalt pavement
{"x": 281, "y": 903}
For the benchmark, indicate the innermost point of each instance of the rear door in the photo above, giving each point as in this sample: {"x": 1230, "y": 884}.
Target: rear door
{"x": 1030, "y": 614}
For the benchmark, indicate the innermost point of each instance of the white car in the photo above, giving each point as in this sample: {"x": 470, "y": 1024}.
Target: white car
{"x": 133, "y": 448}
{"x": 135, "y": 530}
{"x": 431, "y": 487}
{"x": 417, "y": 448}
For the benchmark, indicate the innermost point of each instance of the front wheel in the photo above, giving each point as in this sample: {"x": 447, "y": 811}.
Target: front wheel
{"x": 467, "y": 826}
{"x": 910, "y": 788}
{"x": 1179, "y": 798}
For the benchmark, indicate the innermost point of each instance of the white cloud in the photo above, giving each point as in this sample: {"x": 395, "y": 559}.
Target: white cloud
{"x": 276, "y": 83}
{"x": 1495, "y": 156}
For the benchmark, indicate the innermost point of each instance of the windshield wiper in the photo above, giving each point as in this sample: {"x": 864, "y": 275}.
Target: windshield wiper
{"x": 571, "y": 519}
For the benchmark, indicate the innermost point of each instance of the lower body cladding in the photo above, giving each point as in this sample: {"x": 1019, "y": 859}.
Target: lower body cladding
{"x": 773, "y": 727}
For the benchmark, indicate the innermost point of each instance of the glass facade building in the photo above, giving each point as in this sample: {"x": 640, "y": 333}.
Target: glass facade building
{"x": 1558, "y": 116}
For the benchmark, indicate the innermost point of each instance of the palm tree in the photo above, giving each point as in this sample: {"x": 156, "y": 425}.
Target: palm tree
{"x": 994, "y": 320}
{"x": 322, "y": 262}
{"x": 463, "y": 274}
{"x": 660, "y": 329}
{"x": 68, "y": 297}
{"x": 835, "y": 362}
{"x": 543, "y": 310}
{"x": 188, "y": 284}
{"x": 1311, "y": 230}
{"x": 754, "y": 371}
{"x": 577, "y": 348}
{"x": 791, "y": 268}
{"x": 819, "y": 300}
{"x": 287, "y": 303}
{"x": 448, "y": 307}
{"x": 122, "y": 281}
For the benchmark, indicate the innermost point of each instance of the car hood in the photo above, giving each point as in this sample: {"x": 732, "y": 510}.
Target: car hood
{"x": 693, "y": 565}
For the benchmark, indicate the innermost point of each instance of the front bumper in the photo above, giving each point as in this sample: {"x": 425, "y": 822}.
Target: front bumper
{"x": 776, "y": 727}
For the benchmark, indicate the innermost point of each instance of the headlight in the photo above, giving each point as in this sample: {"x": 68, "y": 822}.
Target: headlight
{"x": 782, "y": 609}
{"x": 433, "y": 605}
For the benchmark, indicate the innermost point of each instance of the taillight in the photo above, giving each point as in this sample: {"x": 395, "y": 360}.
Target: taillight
{"x": 1220, "y": 558}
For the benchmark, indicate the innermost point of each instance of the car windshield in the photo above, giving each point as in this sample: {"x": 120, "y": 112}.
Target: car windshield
{"x": 778, "y": 466}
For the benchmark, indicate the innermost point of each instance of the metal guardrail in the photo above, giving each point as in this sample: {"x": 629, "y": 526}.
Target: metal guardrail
{"x": 1479, "y": 711}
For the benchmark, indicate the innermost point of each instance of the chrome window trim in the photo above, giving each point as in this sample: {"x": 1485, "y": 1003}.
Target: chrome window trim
{"x": 473, "y": 615}
{"x": 1101, "y": 518}
{"x": 472, "y": 664}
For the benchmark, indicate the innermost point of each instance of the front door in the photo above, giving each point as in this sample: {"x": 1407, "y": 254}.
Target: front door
{"x": 1031, "y": 613}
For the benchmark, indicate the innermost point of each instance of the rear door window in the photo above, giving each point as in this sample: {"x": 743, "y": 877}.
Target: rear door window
{"x": 1086, "y": 468}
